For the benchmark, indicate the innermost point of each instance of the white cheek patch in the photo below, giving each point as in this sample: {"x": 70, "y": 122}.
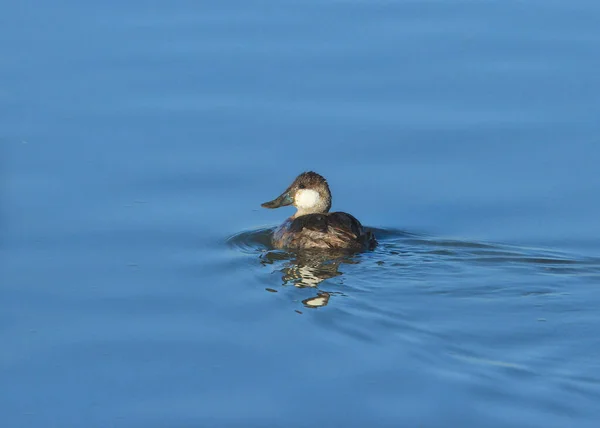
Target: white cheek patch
{"x": 306, "y": 198}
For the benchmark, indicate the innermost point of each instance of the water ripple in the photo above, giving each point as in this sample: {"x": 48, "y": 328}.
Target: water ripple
{"x": 414, "y": 263}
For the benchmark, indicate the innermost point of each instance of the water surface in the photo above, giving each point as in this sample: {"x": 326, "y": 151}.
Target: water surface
{"x": 138, "y": 287}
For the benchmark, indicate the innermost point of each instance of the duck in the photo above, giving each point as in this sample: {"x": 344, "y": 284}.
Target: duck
{"x": 313, "y": 226}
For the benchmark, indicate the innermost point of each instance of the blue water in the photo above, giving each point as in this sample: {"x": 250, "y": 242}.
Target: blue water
{"x": 138, "y": 287}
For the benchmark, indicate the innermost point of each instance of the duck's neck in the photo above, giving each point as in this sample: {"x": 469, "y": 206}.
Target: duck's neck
{"x": 305, "y": 211}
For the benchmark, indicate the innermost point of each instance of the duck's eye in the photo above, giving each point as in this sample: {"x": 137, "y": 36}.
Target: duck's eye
{"x": 301, "y": 186}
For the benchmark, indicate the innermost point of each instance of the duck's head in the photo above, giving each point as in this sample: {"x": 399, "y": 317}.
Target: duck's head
{"x": 309, "y": 193}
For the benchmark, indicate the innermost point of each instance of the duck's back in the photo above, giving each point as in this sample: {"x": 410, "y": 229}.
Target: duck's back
{"x": 336, "y": 230}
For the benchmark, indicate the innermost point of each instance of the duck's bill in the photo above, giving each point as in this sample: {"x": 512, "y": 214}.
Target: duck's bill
{"x": 283, "y": 200}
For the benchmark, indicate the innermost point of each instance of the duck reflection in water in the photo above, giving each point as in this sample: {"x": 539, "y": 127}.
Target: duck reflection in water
{"x": 308, "y": 269}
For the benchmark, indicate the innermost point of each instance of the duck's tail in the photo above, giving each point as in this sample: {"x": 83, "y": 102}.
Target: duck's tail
{"x": 369, "y": 240}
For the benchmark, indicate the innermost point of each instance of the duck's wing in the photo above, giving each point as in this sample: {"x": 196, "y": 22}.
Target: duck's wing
{"x": 347, "y": 222}
{"x": 350, "y": 224}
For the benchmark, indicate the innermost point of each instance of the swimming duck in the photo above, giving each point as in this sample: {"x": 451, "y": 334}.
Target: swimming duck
{"x": 313, "y": 226}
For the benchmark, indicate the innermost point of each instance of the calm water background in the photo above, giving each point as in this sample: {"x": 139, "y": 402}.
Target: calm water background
{"x": 138, "y": 137}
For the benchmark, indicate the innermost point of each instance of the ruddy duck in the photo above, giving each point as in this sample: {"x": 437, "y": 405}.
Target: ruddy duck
{"x": 313, "y": 226}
